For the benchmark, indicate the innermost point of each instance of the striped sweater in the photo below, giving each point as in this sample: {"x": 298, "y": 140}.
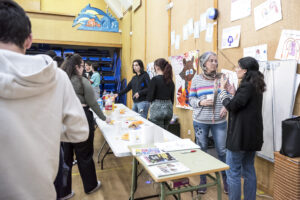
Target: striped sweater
{"x": 200, "y": 88}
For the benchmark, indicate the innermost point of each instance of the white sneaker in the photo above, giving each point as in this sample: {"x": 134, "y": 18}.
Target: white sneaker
{"x": 68, "y": 196}
{"x": 96, "y": 188}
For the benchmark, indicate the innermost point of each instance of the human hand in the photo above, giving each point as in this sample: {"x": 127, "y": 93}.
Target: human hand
{"x": 230, "y": 88}
{"x": 223, "y": 81}
{"x": 108, "y": 120}
{"x": 116, "y": 95}
{"x": 223, "y": 112}
{"x": 136, "y": 95}
{"x": 206, "y": 102}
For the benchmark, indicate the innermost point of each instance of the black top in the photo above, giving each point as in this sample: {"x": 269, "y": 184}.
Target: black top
{"x": 159, "y": 89}
{"x": 245, "y": 125}
{"x": 140, "y": 84}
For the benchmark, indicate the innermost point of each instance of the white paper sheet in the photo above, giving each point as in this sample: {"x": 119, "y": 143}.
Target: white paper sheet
{"x": 203, "y": 22}
{"x": 191, "y": 26}
{"x": 185, "y": 32}
{"x": 173, "y": 38}
{"x": 177, "y": 42}
{"x": 231, "y": 37}
{"x": 196, "y": 29}
{"x": 232, "y": 77}
{"x": 289, "y": 46}
{"x": 258, "y": 52}
{"x": 209, "y": 32}
{"x": 267, "y": 13}
{"x": 240, "y": 9}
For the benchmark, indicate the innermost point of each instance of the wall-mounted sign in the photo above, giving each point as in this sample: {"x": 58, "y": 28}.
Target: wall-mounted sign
{"x": 94, "y": 19}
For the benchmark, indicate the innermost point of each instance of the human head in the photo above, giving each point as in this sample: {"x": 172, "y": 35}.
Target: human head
{"x": 59, "y": 60}
{"x": 15, "y": 26}
{"x": 208, "y": 62}
{"x": 73, "y": 65}
{"x": 248, "y": 71}
{"x": 137, "y": 66}
{"x": 88, "y": 66}
{"x": 165, "y": 67}
{"x": 94, "y": 66}
{"x": 51, "y": 53}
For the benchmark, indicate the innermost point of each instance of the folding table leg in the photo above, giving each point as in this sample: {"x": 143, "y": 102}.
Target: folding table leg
{"x": 219, "y": 185}
{"x": 101, "y": 151}
{"x": 133, "y": 178}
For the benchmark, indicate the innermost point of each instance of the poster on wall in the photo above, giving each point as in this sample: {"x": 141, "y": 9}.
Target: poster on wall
{"x": 258, "y": 52}
{"x": 231, "y": 37}
{"x": 240, "y": 9}
{"x": 94, "y": 19}
{"x": 267, "y": 13}
{"x": 289, "y": 46}
{"x": 150, "y": 70}
{"x": 185, "y": 68}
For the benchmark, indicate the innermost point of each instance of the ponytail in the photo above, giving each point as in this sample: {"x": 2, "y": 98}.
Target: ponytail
{"x": 165, "y": 66}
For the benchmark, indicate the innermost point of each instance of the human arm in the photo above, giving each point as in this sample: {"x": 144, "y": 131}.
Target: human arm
{"x": 241, "y": 98}
{"x": 151, "y": 91}
{"x": 90, "y": 99}
{"x": 75, "y": 125}
{"x": 195, "y": 100}
{"x": 146, "y": 82}
{"x": 127, "y": 89}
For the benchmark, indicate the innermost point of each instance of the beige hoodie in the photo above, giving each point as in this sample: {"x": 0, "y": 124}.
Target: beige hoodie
{"x": 38, "y": 109}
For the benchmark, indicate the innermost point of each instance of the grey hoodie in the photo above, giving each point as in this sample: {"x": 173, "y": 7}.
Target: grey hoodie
{"x": 38, "y": 109}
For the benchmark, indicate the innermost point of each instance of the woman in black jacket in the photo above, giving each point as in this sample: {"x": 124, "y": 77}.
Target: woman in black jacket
{"x": 139, "y": 86}
{"x": 245, "y": 128}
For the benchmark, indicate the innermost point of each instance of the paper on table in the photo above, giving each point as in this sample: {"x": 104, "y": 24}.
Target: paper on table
{"x": 168, "y": 169}
{"x": 177, "y": 145}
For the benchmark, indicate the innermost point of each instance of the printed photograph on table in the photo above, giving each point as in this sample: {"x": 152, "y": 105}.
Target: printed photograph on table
{"x": 168, "y": 169}
{"x": 185, "y": 68}
{"x": 155, "y": 159}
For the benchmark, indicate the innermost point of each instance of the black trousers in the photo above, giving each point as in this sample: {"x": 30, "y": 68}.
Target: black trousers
{"x": 61, "y": 179}
{"x": 84, "y": 154}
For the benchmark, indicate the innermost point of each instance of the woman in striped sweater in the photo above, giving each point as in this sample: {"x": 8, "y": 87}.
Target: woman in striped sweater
{"x": 208, "y": 112}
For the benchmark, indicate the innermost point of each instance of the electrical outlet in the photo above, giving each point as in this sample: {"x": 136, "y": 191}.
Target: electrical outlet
{"x": 189, "y": 132}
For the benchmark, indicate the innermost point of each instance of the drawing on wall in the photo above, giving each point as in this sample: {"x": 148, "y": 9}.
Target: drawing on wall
{"x": 258, "y": 52}
{"x": 231, "y": 37}
{"x": 289, "y": 46}
{"x": 240, "y": 9}
{"x": 94, "y": 19}
{"x": 185, "y": 68}
{"x": 150, "y": 70}
{"x": 267, "y": 13}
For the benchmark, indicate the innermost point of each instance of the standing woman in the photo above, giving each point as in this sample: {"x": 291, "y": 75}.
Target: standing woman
{"x": 139, "y": 86}
{"x": 73, "y": 66}
{"x": 208, "y": 112}
{"x": 161, "y": 94}
{"x": 245, "y": 128}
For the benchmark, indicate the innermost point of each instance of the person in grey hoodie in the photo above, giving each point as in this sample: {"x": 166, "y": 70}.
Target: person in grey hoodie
{"x": 38, "y": 107}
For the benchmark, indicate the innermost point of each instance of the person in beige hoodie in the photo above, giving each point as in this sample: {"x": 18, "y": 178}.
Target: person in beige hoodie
{"x": 38, "y": 109}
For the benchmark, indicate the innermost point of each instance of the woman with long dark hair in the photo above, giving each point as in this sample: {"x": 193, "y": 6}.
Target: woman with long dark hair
{"x": 245, "y": 127}
{"x": 161, "y": 94}
{"x": 73, "y": 66}
{"x": 139, "y": 85}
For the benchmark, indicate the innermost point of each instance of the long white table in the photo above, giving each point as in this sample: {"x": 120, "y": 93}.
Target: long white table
{"x": 113, "y": 133}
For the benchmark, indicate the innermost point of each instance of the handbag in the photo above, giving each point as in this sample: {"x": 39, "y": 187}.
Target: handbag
{"x": 291, "y": 137}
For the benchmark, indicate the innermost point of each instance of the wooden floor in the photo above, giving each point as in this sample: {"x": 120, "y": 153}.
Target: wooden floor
{"x": 116, "y": 180}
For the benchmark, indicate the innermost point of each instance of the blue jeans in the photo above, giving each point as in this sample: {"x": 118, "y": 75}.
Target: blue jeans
{"x": 141, "y": 108}
{"x": 219, "y": 135}
{"x": 241, "y": 164}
